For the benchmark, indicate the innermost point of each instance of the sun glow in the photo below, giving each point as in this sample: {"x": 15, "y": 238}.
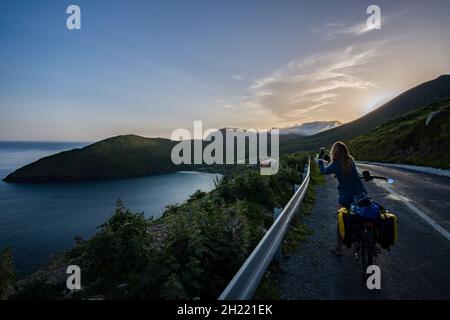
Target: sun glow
{"x": 377, "y": 101}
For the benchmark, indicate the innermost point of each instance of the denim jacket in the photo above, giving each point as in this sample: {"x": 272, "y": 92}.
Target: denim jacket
{"x": 349, "y": 186}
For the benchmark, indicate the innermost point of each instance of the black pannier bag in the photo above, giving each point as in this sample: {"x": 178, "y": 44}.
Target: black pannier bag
{"x": 386, "y": 229}
{"x": 348, "y": 225}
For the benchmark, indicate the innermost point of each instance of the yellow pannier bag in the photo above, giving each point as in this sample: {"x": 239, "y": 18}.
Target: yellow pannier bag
{"x": 387, "y": 229}
{"x": 392, "y": 216}
{"x": 341, "y": 223}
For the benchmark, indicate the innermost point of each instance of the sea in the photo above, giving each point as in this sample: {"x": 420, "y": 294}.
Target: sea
{"x": 40, "y": 220}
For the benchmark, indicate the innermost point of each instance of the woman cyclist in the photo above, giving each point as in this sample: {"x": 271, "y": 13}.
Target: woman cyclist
{"x": 349, "y": 184}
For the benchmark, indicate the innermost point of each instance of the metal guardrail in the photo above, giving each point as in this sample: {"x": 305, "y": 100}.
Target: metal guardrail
{"x": 246, "y": 280}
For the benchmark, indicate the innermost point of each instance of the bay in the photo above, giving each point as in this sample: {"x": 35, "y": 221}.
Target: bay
{"x": 39, "y": 220}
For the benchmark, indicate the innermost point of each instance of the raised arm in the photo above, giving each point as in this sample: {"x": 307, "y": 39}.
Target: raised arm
{"x": 328, "y": 169}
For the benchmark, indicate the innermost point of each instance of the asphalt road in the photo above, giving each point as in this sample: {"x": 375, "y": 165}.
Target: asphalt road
{"x": 417, "y": 267}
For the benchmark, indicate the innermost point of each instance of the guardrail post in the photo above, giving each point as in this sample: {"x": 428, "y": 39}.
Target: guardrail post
{"x": 279, "y": 254}
{"x": 296, "y": 187}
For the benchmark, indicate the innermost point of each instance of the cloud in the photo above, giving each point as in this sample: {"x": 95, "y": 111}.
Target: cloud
{"x": 318, "y": 83}
{"x": 238, "y": 77}
{"x": 228, "y": 106}
{"x": 334, "y": 31}
{"x": 331, "y": 31}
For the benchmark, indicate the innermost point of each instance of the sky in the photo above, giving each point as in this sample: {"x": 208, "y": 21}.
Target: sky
{"x": 150, "y": 67}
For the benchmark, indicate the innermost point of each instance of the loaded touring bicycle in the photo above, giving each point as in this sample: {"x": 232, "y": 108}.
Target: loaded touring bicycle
{"x": 366, "y": 223}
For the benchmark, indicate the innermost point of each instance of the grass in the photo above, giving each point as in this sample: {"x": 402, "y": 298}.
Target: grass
{"x": 408, "y": 140}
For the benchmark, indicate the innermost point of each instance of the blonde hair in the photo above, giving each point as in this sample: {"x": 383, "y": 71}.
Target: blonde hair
{"x": 340, "y": 153}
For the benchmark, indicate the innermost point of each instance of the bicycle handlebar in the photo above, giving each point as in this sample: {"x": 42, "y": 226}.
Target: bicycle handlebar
{"x": 368, "y": 177}
{"x": 374, "y": 177}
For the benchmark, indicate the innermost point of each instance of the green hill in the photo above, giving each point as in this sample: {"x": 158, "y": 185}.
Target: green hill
{"x": 117, "y": 157}
{"x": 408, "y": 140}
{"x": 132, "y": 156}
{"x": 408, "y": 101}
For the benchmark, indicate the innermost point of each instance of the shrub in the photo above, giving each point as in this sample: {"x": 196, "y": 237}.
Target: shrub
{"x": 7, "y": 272}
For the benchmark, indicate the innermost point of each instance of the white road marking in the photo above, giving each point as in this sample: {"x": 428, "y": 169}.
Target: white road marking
{"x": 420, "y": 213}
{"x": 395, "y": 195}
{"x": 429, "y": 170}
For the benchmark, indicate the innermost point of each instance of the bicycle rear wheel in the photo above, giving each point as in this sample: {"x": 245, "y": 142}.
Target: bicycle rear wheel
{"x": 364, "y": 258}
{"x": 370, "y": 245}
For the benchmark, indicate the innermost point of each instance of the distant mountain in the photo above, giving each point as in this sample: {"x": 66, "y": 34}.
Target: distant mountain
{"x": 408, "y": 101}
{"x": 310, "y": 128}
{"x": 117, "y": 157}
{"x": 132, "y": 156}
{"x": 421, "y": 137}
